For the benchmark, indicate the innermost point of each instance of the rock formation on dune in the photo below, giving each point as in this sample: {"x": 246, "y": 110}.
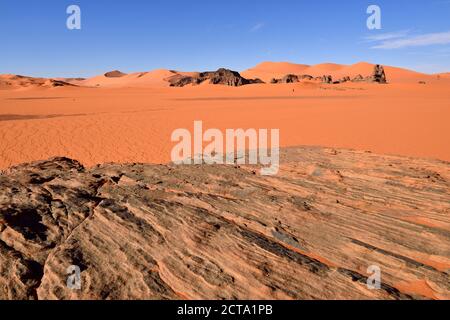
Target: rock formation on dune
{"x": 72, "y": 79}
{"x": 292, "y": 78}
{"x": 224, "y": 232}
{"x": 57, "y": 83}
{"x": 327, "y": 79}
{"x": 114, "y": 74}
{"x": 379, "y": 75}
{"x": 221, "y": 76}
{"x": 306, "y": 77}
{"x": 358, "y": 78}
{"x": 342, "y": 80}
{"x": 182, "y": 80}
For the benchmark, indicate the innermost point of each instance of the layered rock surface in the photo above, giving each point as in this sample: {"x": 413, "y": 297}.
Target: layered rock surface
{"x": 224, "y": 232}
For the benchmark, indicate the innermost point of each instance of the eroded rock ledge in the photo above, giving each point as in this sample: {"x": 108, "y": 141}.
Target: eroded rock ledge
{"x": 221, "y": 76}
{"x": 378, "y": 76}
{"x": 190, "y": 232}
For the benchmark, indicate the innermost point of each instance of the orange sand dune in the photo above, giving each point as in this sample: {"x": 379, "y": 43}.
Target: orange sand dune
{"x": 138, "y": 79}
{"x": 323, "y": 68}
{"x": 154, "y": 78}
{"x": 17, "y": 82}
{"x": 124, "y": 124}
{"x": 268, "y": 70}
{"x": 265, "y": 71}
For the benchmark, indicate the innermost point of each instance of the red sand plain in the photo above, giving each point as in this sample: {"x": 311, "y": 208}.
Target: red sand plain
{"x": 130, "y": 119}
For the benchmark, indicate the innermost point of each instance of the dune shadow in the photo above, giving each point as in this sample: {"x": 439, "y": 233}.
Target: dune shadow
{"x": 17, "y": 117}
{"x": 26, "y": 221}
{"x": 263, "y": 98}
{"x": 38, "y": 98}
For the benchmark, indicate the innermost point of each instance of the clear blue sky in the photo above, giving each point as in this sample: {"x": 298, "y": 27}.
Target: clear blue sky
{"x": 140, "y": 35}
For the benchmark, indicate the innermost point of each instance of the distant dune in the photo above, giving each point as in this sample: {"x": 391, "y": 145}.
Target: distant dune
{"x": 15, "y": 82}
{"x": 268, "y": 70}
{"x": 137, "y": 79}
{"x": 445, "y": 75}
{"x": 115, "y": 74}
{"x": 264, "y": 71}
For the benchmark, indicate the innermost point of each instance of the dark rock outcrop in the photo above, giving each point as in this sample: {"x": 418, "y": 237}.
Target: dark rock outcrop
{"x": 292, "y": 78}
{"x": 327, "y": 79}
{"x": 358, "y": 78}
{"x": 378, "y": 75}
{"x": 221, "y": 76}
{"x": 306, "y": 77}
{"x": 115, "y": 74}
{"x": 289, "y": 78}
{"x": 342, "y": 80}
{"x": 58, "y": 83}
{"x": 227, "y": 77}
{"x": 222, "y": 232}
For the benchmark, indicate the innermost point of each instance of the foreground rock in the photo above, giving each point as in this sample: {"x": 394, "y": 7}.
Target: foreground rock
{"x": 221, "y": 76}
{"x": 224, "y": 232}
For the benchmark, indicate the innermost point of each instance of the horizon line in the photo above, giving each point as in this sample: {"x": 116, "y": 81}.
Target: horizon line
{"x": 240, "y": 71}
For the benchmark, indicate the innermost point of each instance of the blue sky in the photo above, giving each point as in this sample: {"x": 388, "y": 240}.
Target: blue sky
{"x": 140, "y": 35}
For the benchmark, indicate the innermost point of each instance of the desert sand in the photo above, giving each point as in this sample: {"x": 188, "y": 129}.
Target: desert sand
{"x": 130, "y": 117}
